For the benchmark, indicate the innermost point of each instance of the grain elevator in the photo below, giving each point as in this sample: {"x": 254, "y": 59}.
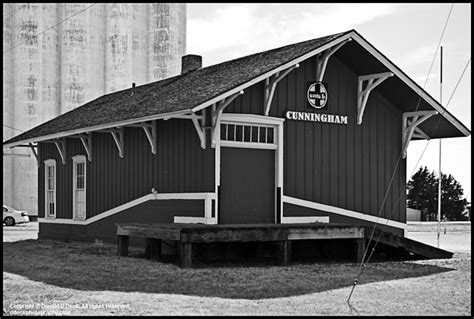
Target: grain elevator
{"x": 57, "y": 56}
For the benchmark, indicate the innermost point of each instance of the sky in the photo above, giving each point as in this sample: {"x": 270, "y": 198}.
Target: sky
{"x": 407, "y": 34}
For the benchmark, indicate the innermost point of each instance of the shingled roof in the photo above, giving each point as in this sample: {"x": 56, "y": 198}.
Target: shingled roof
{"x": 179, "y": 93}
{"x": 194, "y": 90}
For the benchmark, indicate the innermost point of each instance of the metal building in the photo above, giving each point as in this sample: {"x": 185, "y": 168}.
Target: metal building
{"x": 57, "y": 56}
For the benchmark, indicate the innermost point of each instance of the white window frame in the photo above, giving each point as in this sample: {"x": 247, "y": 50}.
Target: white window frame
{"x": 75, "y": 160}
{"x": 50, "y": 163}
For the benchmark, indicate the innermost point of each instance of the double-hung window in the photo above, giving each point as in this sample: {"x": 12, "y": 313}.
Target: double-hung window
{"x": 50, "y": 188}
{"x": 79, "y": 187}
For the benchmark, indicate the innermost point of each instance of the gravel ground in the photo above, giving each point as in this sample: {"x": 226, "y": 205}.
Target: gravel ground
{"x": 443, "y": 294}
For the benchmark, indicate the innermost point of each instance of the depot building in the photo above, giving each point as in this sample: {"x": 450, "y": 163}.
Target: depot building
{"x": 315, "y": 131}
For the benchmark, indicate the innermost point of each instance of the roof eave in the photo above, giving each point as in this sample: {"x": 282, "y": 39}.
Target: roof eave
{"x": 412, "y": 84}
{"x": 270, "y": 73}
{"x": 372, "y": 50}
{"x": 94, "y": 128}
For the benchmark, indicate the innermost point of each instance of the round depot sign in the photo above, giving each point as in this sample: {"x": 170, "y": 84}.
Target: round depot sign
{"x": 317, "y": 95}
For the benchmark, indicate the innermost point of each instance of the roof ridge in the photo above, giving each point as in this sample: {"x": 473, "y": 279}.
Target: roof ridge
{"x": 279, "y": 48}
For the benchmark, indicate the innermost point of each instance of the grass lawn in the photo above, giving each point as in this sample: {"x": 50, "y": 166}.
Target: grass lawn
{"x": 89, "y": 267}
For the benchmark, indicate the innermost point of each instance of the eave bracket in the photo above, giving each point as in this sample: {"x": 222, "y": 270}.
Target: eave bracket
{"x": 32, "y": 147}
{"x": 150, "y": 131}
{"x": 216, "y": 114}
{"x": 199, "y": 128}
{"x": 117, "y": 134}
{"x": 323, "y": 58}
{"x": 410, "y": 128}
{"x": 372, "y": 80}
{"x": 61, "y": 146}
{"x": 270, "y": 85}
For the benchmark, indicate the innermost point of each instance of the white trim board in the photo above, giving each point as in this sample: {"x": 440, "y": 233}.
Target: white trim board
{"x": 207, "y": 197}
{"x": 304, "y": 219}
{"x": 343, "y": 212}
{"x": 195, "y": 220}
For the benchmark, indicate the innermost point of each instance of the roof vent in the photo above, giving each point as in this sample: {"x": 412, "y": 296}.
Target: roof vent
{"x": 190, "y": 62}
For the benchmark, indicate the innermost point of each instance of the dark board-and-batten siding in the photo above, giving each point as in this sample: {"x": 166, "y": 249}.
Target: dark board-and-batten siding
{"x": 153, "y": 211}
{"x": 180, "y": 166}
{"x": 347, "y": 166}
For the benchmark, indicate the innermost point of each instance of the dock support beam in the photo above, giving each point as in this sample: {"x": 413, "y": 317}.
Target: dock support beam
{"x": 185, "y": 254}
{"x": 360, "y": 249}
{"x": 122, "y": 245}
{"x": 285, "y": 252}
{"x": 153, "y": 248}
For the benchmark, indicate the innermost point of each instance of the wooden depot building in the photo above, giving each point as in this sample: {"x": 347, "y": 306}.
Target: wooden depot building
{"x": 311, "y": 133}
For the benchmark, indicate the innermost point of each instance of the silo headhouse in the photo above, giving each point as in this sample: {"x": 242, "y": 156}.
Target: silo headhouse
{"x": 309, "y": 133}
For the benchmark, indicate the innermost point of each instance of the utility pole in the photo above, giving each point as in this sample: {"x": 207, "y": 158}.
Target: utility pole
{"x": 440, "y": 174}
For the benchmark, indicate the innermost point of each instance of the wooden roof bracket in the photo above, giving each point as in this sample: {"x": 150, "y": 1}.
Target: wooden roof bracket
{"x": 61, "y": 146}
{"x": 270, "y": 85}
{"x": 373, "y": 80}
{"x": 199, "y": 128}
{"x": 117, "y": 134}
{"x": 217, "y": 113}
{"x": 32, "y": 147}
{"x": 410, "y": 129}
{"x": 323, "y": 57}
{"x": 86, "y": 140}
{"x": 150, "y": 132}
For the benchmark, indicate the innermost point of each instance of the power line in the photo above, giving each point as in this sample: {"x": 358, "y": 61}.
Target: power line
{"x": 434, "y": 57}
{"x": 361, "y": 267}
{"x": 12, "y": 12}
{"x": 52, "y": 26}
{"x": 462, "y": 74}
{"x": 399, "y": 198}
{"x": 12, "y": 128}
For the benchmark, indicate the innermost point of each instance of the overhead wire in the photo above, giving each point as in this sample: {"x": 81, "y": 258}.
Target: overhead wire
{"x": 361, "y": 267}
{"x": 10, "y": 14}
{"x": 419, "y": 159}
{"x": 64, "y": 20}
{"x": 12, "y": 128}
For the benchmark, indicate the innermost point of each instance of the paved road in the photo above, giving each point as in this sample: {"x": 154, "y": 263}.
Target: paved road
{"x": 456, "y": 241}
{"x": 20, "y": 232}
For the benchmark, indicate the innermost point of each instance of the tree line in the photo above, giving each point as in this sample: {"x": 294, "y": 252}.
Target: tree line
{"x": 422, "y": 194}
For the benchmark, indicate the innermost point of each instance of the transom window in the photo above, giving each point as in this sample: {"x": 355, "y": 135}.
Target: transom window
{"x": 248, "y": 133}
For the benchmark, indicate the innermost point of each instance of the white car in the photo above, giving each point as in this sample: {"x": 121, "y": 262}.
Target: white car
{"x": 12, "y": 216}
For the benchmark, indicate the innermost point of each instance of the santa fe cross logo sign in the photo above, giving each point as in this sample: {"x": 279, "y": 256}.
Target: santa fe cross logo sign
{"x": 317, "y": 95}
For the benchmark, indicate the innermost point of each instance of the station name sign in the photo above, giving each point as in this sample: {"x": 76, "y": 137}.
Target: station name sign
{"x": 313, "y": 117}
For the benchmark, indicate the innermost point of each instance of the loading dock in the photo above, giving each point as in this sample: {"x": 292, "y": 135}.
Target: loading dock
{"x": 185, "y": 235}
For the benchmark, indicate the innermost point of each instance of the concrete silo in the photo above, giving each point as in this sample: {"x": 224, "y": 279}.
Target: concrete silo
{"x": 82, "y": 60}
{"x": 8, "y": 131}
{"x": 58, "y": 56}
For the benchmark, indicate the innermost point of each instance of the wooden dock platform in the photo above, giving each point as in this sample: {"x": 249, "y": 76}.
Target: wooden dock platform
{"x": 187, "y": 234}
